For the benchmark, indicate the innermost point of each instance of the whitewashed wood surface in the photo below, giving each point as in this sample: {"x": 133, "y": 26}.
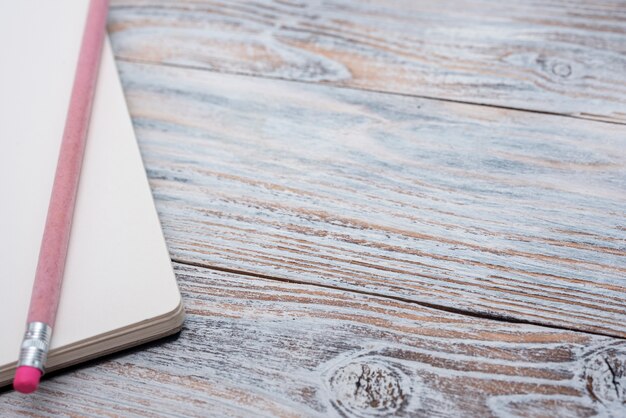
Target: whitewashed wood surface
{"x": 347, "y": 246}
{"x": 501, "y": 213}
{"x": 256, "y": 347}
{"x": 559, "y": 56}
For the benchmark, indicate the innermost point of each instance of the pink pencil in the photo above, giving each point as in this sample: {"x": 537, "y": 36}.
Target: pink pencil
{"x": 54, "y": 244}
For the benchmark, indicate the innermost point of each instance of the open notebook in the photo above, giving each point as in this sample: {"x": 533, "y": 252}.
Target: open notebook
{"x": 119, "y": 288}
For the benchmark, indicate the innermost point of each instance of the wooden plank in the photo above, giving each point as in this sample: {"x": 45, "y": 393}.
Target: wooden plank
{"x": 502, "y": 213}
{"x": 555, "y": 56}
{"x": 254, "y": 347}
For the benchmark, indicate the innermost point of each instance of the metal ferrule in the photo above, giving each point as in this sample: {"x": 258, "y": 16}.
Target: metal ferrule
{"x": 34, "y": 350}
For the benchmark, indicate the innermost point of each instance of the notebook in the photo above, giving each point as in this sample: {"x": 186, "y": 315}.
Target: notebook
{"x": 119, "y": 288}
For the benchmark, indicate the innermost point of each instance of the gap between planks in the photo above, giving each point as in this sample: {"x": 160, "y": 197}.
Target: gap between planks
{"x": 448, "y": 309}
{"x": 346, "y": 87}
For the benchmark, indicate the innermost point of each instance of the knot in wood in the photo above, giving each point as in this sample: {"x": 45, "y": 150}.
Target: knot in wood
{"x": 562, "y": 69}
{"x": 605, "y": 374}
{"x": 368, "y": 389}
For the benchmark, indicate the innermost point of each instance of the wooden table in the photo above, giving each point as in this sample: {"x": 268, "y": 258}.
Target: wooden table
{"x": 387, "y": 207}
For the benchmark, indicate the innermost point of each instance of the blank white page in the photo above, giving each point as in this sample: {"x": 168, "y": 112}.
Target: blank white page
{"x": 118, "y": 271}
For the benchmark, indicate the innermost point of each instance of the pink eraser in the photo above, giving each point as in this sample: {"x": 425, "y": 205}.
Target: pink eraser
{"x": 26, "y": 379}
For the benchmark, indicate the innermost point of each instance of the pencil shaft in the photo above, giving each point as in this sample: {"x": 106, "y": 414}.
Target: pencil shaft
{"x": 55, "y": 241}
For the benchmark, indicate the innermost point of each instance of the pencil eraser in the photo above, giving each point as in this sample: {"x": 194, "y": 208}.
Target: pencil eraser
{"x": 26, "y": 379}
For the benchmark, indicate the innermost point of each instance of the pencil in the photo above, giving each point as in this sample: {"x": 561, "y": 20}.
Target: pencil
{"x": 54, "y": 244}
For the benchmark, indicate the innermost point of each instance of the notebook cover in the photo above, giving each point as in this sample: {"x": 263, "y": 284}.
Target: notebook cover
{"x": 118, "y": 271}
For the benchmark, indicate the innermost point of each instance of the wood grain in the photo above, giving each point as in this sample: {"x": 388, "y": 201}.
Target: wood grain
{"x": 501, "y": 213}
{"x": 554, "y": 56}
{"x": 367, "y": 210}
{"x": 254, "y": 347}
